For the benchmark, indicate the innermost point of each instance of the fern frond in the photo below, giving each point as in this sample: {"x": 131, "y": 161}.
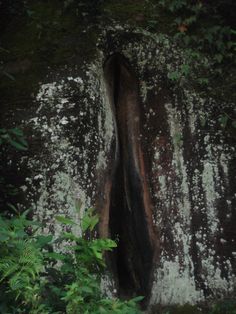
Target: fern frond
{"x": 7, "y": 268}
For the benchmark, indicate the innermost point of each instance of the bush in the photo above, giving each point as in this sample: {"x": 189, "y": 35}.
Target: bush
{"x": 35, "y": 279}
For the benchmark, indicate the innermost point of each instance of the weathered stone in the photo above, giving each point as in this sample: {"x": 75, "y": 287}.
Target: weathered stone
{"x": 189, "y": 162}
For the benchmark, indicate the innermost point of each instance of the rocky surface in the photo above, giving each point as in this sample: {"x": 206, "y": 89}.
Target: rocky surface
{"x": 189, "y": 158}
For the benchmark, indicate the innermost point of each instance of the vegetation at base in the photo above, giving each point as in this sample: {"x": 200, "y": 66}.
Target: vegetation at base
{"x": 36, "y": 279}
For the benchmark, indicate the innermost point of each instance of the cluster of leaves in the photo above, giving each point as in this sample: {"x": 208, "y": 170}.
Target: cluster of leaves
{"x": 13, "y": 137}
{"x": 20, "y": 264}
{"x": 202, "y": 29}
{"x": 204, "y": 26}
{"x": 35, "y": 279}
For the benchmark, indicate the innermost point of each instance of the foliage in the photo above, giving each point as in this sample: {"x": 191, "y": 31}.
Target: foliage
{"x": 21, "y": 262}
{"x": 202, "y": 29}
{"x": 224, "y": 307}
{"x": 14, "y": 137}
{"x": 203, "y": 26}
{"x": 36, "y": 279}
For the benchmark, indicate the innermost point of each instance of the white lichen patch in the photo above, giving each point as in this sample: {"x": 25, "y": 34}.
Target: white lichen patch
{"x": 174, "y": 285}
{"x": 175, "y": 271}
{"x": 73, "y": 149}
{"x": 186, "y": 188}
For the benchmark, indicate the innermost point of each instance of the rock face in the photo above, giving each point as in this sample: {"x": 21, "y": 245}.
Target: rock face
{"x": 149, "y": 154}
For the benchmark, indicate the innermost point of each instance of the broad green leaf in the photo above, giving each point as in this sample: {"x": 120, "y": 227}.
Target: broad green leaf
{"x": 3, "y": 237}
{"x": 42, "y": 240}
{"x": 70, "y": 236}
{"x": 111, "y": 243}
{"x": 185, "y": 69}
{"x": 65, "y": 220}
{"x": 89, "y": 221}
{"x": 54, "y": 255}
{"x": 137, "y": 299}
{"x": 97, "y": 253}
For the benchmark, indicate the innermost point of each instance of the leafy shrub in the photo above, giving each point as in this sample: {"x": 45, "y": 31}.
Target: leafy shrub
{"x": 35, "y": 279}
{"x": 21, "y": 262}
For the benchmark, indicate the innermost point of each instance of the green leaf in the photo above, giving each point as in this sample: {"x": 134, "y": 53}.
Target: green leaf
{"x": 42, "y": 240}
{"x": 16, "y": 144}
{"x": 89, "y": 222}
{"x": 22, "y": 141}
{"x": 17, "y": 132}
{"x": 3, "y": 237}
{"x": 65, "y": 220}
{"x": 137, "y": 299}
{"x": 97, "y": 253}
{"x": 70, "y": 236}
{"x": 54, "y": 255}
{"x": 185, "y": 69}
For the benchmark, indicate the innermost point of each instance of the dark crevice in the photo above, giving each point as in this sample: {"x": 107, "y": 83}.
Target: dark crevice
{"x": 130, "y": 210}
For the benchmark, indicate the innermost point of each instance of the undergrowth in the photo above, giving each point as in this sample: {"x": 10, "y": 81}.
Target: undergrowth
{"x": 36, "y": 279}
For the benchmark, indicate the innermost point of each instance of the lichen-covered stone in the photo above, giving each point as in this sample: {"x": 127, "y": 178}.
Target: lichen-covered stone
{"x": 189, "y": 156}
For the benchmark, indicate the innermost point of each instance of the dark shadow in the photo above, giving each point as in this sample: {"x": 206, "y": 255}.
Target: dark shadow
{"x": 130, "y": 213}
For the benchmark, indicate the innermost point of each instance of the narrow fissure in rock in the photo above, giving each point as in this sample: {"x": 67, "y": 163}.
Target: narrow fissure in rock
{"x": 130, "y": 210}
